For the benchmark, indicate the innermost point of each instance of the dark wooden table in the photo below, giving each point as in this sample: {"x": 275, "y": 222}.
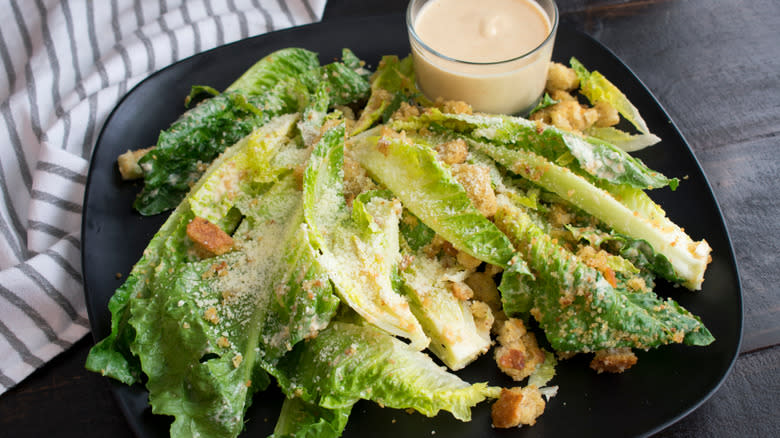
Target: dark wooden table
{"x": 715, "y": 66}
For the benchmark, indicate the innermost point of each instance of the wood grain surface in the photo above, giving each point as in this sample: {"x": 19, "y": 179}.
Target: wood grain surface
{"x": 715, "y": 67}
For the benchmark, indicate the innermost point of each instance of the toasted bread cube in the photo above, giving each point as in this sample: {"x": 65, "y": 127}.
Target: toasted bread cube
{"x": 516, "y": 406}
{"x": 613, "y": 360}
{"x": 518, "y": 353}
{"x": 560, "y": 77}
{"x": 460, "y": 290}
{"x": 208, "y": 237}
{"x": 453, "y": 152}
{"x": 608, "y": 115}
{"x": 128, "y": 164}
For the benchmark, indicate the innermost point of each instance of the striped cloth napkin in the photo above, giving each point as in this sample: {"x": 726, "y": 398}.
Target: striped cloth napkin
{"x": 66, "y": 65}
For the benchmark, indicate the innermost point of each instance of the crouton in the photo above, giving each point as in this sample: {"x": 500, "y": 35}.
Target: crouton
{"x": 128, "y": 164}
{"x": 460, "y": 290}
{"x": 405, "y": 112}
{"x": 560, "y": 77}
{"x": 209, "y": 239}
{"x": 453, "y": 106}
{"x": 518, "y": 353}
{"x": 468, "y": 261}
{"x": 613, "y": 360}
{"x": 453, "y": 152}
{"x": 608, "y": 115}
{"x": 516, "y": 406}
{"x": 483, "y": 316}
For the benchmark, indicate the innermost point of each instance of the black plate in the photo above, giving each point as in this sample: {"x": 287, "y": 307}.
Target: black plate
{"x": 664, "y": 386}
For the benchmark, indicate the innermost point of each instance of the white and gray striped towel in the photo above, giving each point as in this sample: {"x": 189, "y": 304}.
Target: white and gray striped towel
{"x": 67, "y": 63}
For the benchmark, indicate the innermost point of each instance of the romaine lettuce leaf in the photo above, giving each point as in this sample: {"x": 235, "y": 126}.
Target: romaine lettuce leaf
{"x": 622, "y": 139}
{"x": 199, "y": 135}
{"x": 595, "y": 159}
{"x": 206, "y": 329}
{"x": 425, "y": 187}
{"x": 112, "y": 356}
{"x": 359, "y": 249}
{"x": 544, "y": 103}
{"x": 392, "y": 83}
{"x": 299, "y": 419}
{"x": 577, "y": 307}
{"x": 630, "y": 215}
{"x": 517, "y": 288}
{"x": 274, "y": 68}
{"x": 455, "y": 337}
{"x": 347, "y": 362}
{"x": 283, "y": 82}
{"x": 251, "y": 164}
{"x": 598, "y": 88}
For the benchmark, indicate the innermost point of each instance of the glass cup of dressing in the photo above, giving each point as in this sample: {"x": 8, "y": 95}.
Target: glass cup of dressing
{"x": 492, "y": 54}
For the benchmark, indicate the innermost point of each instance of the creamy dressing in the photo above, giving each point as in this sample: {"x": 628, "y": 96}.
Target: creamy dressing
{"x": 483, "y": 30}
{"x": 463, "y": 35}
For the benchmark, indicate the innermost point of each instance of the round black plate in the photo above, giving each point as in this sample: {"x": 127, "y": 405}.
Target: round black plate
{"x": 664, "y": 386}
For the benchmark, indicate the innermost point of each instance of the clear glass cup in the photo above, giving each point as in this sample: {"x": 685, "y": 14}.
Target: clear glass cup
{"x": 510, "y": 86}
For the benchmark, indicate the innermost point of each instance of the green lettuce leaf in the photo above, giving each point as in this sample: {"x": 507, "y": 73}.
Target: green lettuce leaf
{"x": 286, "y": 81}
{"x": 206, "y": 329}
{"x": 414, "y": 231}
{"x": 359, "y": 249}
{"x": 392, "y": 83}
{"x": 411, "y": 171}
{"x": 595, "y": 159}
{"x": 112, "y": 356}
{"x": 448, "y": 321}
{"x": 579, "y": 310}
{"x": 347, "y": 362}
{"x": 632, "y": 213}
{"x": 517, "y": 288}
{"x": 544, "y": 103}
{"x": 299, "y": 419}
{"x": 273, "y": 68}
{"x": 201, "y": 134}
{"x": 598, "y": 88}
{"x": 544, "y": 372}
{"x": 622, "y": 139}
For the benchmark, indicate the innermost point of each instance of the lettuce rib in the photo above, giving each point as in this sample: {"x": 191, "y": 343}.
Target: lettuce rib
{"x": 689, "y": 259}
{"x": 359, "y": 250}
{"x": 412, "y": 172}
{"x": 578, "y": 309}
{"x": 347, "y": 362}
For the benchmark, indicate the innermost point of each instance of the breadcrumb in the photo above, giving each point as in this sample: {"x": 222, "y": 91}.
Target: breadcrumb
{"x": 405, "y": 112}
{"x": 613, "y": 360}
{"x": 453, "y": 106}
{"x": 516, "y": 406}
{"x": 518, "y": 353}
{"x": 561, "y": 77}
{"x": 475, "y": 179}
{"x": 467, "y": 260}
{"x": 128, "y": 163}
{"x": 453, "y": 152}
{"x": 211, "y": 316}
{"x": 356, "y": 180}
{"x": 208, "y": 237}
{"x": 598, "y": 260}
{"x": 483, "y": 316}
{"x": 608, "y": 115}
{"x": 460, "y": 290}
